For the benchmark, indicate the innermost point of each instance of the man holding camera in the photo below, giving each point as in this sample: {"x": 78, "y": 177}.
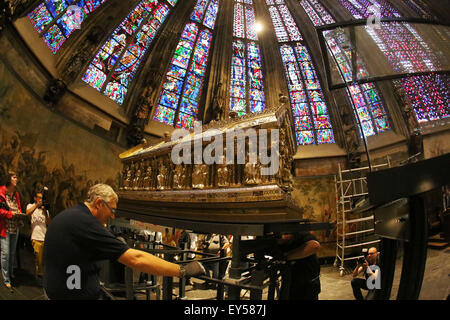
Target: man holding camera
{"x": 368, "y": 265}
{"x": 40, "y": 218}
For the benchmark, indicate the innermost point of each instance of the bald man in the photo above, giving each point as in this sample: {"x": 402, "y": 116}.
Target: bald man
{"x": 369, "y": 272}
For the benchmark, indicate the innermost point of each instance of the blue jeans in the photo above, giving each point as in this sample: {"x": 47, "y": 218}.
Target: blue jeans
{"x": 8, "y": 255}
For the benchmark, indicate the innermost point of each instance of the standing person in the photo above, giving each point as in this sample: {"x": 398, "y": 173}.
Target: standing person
{"x": 359, "y": 283}
{"x": 77, "y": 240}
{"x": 9, "y": 227}
{"x": 301, "y": 277}
{"x": 188, "y": 241}
{"x": 40, "y": 218}
{"x": 212, "y": 244}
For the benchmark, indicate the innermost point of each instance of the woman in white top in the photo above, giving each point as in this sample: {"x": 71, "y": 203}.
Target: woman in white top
{"x": 39, "y": 220}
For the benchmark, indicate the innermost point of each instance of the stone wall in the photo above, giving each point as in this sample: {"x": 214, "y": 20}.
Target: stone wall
{"x": 43, "y": 146}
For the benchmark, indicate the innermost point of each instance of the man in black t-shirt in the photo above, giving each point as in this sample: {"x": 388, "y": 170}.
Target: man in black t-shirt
{"x": 301, "y": 275}
{"x": 77, "y": 240}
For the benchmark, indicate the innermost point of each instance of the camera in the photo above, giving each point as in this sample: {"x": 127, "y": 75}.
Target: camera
{"x": 45, "y": 201}
{"x": 364, "y": 254}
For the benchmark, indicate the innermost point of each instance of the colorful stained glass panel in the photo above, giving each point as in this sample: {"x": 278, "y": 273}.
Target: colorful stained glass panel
{"x": 188, "y": 106}
{"x": 54, "y": 38}
{"x": 94, "y": 77}
{"x": 250, "y": 23}
{"x": 40, "y": 17}
{"x": 116, "y": 92}
{"x": 164, "y": 115}
{"x": 256, "y": 106}
{"x": 305, "y": 137}
{"x": 211, "y": 14}
{"x": 185, "y": 121}
{"x": 303, "y": 123}
{"x": 197, "y": 14}
{"x": 300, "y": 109}
{"x": 169, "y": 99}
{"x": 325, "y": 136}
{"x": 173, "y": 85}
{"x": 238, "y": 26}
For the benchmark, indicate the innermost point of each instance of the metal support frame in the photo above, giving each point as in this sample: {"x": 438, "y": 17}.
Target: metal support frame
{"x": 361, "y": 22}
{"x": 237, "y": 280}
{"x": 412, "y": 182}
{"x": 415, "y": 255}
{"x": 352, "y": 184}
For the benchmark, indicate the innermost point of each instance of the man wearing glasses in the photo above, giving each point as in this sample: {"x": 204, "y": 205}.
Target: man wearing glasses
{"x": 371, "y": 270}
{"x": 77, "y": 240}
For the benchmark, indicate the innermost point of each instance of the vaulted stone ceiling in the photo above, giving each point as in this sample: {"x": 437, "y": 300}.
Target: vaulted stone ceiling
{"x": 141, "y": 68}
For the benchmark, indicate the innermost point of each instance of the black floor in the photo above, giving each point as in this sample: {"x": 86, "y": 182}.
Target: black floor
{"x": 436, "y": 284}
{"x": 25, "y": 286}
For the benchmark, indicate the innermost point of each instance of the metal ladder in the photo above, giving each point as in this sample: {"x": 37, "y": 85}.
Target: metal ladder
{"x": 356, "y": 231}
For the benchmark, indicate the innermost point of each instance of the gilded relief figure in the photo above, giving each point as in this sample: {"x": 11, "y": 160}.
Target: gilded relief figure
{"x": 128, "y": 183}
{"x": 170, "y": 171}
{"x": 197, "y": 177}
{"x": 200, "y": 176}
{"x": 205, "y": 174}
{"x": 252, "y": 173}
{"x": 223, "y": 174}
{"x": 126, "y": 168}
{"x": 184, "y": 177}
{"x": 178, "y": 177}
{"x": 286, "y": 182}
{"x": 137, "y": 176}
{"x": 162, "y": 176}
{"x": 148, "y": 178}
{"x": 140, "y": 179}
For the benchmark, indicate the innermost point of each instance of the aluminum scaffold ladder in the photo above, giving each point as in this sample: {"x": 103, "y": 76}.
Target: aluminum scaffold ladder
{"x": 356, "y": 231}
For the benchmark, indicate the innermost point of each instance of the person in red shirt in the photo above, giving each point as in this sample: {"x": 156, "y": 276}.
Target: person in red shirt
{"x": 9, "y": 230}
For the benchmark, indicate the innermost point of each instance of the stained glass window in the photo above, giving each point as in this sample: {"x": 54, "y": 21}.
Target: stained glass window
{"x": 182, "y": 89}
{"x": 115, "y": 65}
{"x": 421, "y": 8}
{"x": 407, "y": 51}
{"x": 318, "y": 15}
{"x": 311, "y": 118}
{"x": 285, "y": 27}
{"x": 360, "y": 8}
{"x": 246, "y": 85}
{"x": 56, "y": 20}
{"x": 367, "y": 99}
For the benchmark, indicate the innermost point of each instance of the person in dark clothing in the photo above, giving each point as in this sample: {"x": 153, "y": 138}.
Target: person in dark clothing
{"x": 371, "y": 270}
{"x": 77, "y": 240}
{"x": 301, "y": 274}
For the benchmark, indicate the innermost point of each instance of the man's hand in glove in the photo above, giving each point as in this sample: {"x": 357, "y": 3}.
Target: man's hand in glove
{"x": 192, "y": 269}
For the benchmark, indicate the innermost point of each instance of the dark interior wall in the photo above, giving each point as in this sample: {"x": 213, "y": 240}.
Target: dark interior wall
{"x": 43, "y": 146}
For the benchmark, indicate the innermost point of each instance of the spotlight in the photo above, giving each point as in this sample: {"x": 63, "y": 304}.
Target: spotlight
{"x": 258, "y": 27}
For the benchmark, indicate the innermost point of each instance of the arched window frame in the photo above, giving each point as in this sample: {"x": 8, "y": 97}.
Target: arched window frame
{"x": 310, "y": 111}
{"x": 429, "y": 95}
{"x": 116, "y": 63}
{"x": 367, "y": 98}
{"x": 247, "y": 94}
{"x": 180, "y": 108}
{"x": 56, "y": 20}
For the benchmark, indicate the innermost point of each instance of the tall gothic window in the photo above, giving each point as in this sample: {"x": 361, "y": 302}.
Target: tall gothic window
{"x": 115, "y": 64}
{"x": 367, "y": 99}
{"x": 421, "y": 8}
{"x": 182, "y": 89}
{"x": 311, "y": 118}
{"x": 407, "y": 52}
{"x": 246, "y": 86}
{"x": 56, "y": 20}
